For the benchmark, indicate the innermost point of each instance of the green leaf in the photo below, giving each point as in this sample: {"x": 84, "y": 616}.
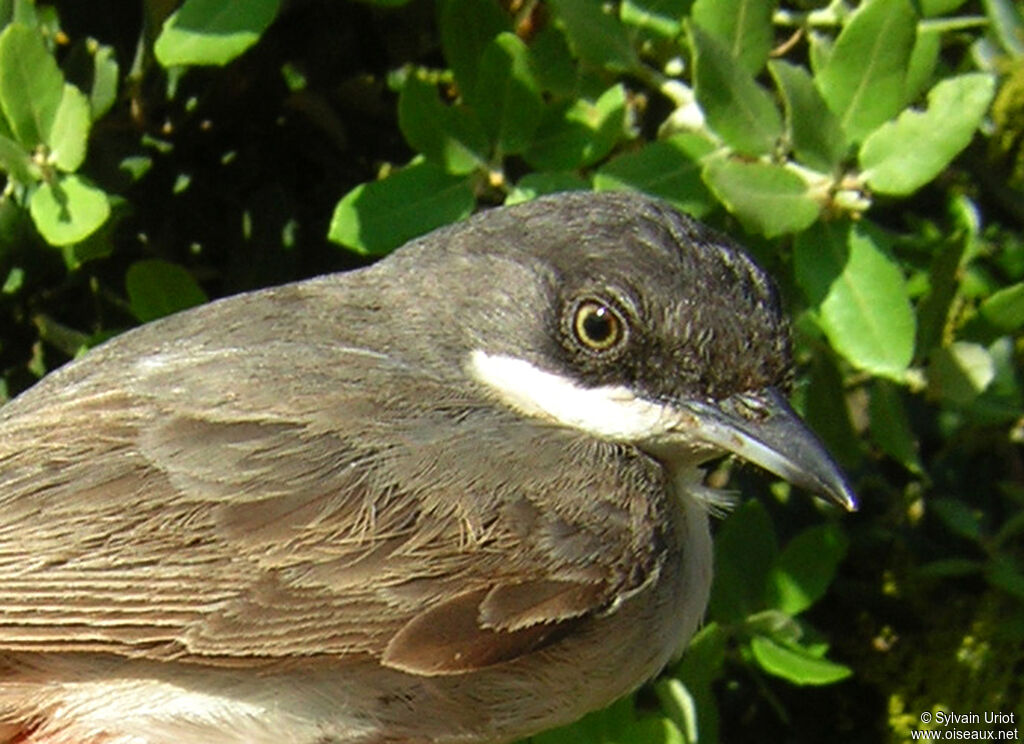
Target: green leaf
{"x": 705, "y": 655}
{"x": 1003, "y": 399}
{"x": 1004, "y": 310}
{"x": 743, "y": 27}
{"x": 827, "y": 412}
{"x": 737, "y": 108}
{"x": 506, "y": 96}
{"x": 944, "y": 273}
{"x": 819, "y": 49}
{"x": 1004, "y": 573}
{"x": 960, "y": 372}
{"x": 662, "y": 17}
{"x": 579, "y": 133}
{"x": 31, "y": 85}
{"x": 805, "y": 568}
{"x": 19, "y": 11}
{"x": 466, "y": 28}
{"x": 745, "y": 551}
{"x": 373, "y": 218}
{"x": 863, "y": 81}
{"x": 901, "y": 156}
{"x": 533, "y": 185}
{"x": 950, "y": 567}
{"x": 670, "y": 169}
{"x": 592, "y": 727}
{"x": 931, "y": 8}
{"x": 699, "y": 667}
{"x": 812, "y": 129}
{"x": 68, "y": 210}
{"x": 69, "y": 135}
{"x": 681, "y": 706}
{"x": 551, "y": 61}
{"x": 448, "y": 135}
{"x": 157, "y": 288}
{"x": 958, "y": 517}
{"x": 104, "y": 79}
{"x": 17, "y": 162}
{"x": 923, "y": 60}
{"x": 860, "y": 294}
{"x": 890, "y": 427}
{"x": 767, "y": 198}
{"x": 1007, "y": 22}
{"x": 595, "y": 35}
{"x": 212, "y": 32}
{"x": 795, "y": 663}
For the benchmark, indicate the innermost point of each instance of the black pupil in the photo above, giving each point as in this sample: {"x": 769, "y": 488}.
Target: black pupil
{"x": 599, "y": 325}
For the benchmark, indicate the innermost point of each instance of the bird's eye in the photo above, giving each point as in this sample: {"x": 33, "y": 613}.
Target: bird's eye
{"x": 598, "y": 326}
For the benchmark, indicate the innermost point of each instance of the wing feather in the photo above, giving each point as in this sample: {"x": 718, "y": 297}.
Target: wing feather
{"x": 174, "y": 506}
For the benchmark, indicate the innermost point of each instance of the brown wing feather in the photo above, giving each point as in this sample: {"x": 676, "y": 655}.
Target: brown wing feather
{"x": 191, "y": 517}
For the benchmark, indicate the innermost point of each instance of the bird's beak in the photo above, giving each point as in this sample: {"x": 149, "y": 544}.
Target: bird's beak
{"x": 763, "y": 429}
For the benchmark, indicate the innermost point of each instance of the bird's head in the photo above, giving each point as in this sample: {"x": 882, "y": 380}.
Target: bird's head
{"x": 616, "y": 315}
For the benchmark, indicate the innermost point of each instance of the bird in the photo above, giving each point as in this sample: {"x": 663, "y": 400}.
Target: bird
{"x": 454, "y": 496}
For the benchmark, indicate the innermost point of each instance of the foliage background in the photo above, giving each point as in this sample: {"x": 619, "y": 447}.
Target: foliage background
{"x": 870, "y": 154}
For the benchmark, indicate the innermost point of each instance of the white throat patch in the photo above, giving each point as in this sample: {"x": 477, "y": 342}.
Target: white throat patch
{"x": 608, "y": 412}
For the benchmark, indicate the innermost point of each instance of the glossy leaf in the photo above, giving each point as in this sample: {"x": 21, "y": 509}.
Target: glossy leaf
{"x": 932, "y": 8}
{"x": 680, "y": 705}
{"x": 737, "y": 108}
{"x": 805, "y": 568}
{"x": 552, "y": 64}
{"x": 104, "y": 81}
{"x": 619, "y": 722}
{"x": 812, "y": 129}
{"x": 827, "y": 411}
{"x": 595, "y": 35}
{"x": 1007, "y": 20}
{"x": 745, "y": 550}
{"x": 670, "y": 169}
{"x": 863, "y": 81}
{"x": 901, "y": 156}
{"x": 1004, "y": 309}
{"x": 374, "y": 218}
{"x": 796, "y": 664}
{"x": 958, "y": 517}
{"x": 767, "y": 198}
{"x": 157, "y": 288}
{"x": 16, "y": 161}
{"x": 579, "y": 133}
{"x": 1004, "y": 572}
{"x": 950, "y": 567}
{"x": 506, "y": 96}
{"x": 934, "y": 308}
{"x": 68, "y": 210}
{"x": 860, "y": 295}
{"x": 68, "y": 137}
{"x": 449, "y": 135}
{"x": 890, "y": 426}
{"x": 923, "y": 60}
{"x": 19, "y": 11}
{"x": 960, "y": 372}
{"x": 697, "y": 670}
{"x": 31, "y": 85}
{"x": 819, "y": 50}
{"x": 466, "y": 28}
{"x": 212, "y": 32}
{"x": 1002, "y": 400}
{"x": 533, "y": 185}
{"x": 744, "y": 27}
